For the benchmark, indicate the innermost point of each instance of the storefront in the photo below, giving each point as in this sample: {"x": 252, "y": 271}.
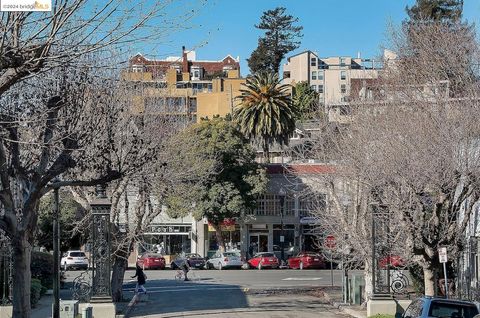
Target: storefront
{"x": 230, "y": 234}
{"x": 310, "y": 234}
{"x": 173, "y": 238}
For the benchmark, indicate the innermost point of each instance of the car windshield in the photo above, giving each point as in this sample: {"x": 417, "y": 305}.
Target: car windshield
{"x": 77, "y": 254}
{"x": 266, "y": 255}
{"x": 230, "y": 254}
{"x": 452, "y": 310}
{"x": 153, "y": 255}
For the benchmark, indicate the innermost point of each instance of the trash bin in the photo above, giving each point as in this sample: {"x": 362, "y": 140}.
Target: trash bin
{"x": 68, "y": 308}
{"x": 87, "y": 312}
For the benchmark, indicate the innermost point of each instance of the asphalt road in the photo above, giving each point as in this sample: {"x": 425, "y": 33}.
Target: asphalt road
{"x": 234, "y": 293}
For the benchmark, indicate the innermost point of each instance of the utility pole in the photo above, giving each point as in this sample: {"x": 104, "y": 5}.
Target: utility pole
{"x": 56, "y": 258}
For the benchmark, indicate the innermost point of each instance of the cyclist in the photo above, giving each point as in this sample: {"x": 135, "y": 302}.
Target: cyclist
{"x": 185, "y": 267}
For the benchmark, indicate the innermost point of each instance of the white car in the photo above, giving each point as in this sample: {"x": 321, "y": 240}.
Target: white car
{"x": 74, "y": 259}
{"x": 225, "y": 260}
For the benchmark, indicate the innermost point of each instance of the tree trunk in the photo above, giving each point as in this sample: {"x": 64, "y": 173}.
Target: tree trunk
{"x": 119, "y": 266}
{"x": 429, "y": 280}
{"x": 368, "y": 281}
{"x": 22, "y": 253}
{"x": 266, "y": 152}
{"x": 219, "y": 237}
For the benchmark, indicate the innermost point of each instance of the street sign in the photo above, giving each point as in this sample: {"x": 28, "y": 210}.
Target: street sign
{"x": 330, "y": 241}
{"x": 282, "y": 238}
{"x": 442, "y": 254}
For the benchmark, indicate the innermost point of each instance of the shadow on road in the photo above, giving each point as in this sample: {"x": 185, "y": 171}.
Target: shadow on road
{"x": 168, "y": 296}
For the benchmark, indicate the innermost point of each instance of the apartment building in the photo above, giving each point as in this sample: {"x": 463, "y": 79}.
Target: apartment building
{"x": 331, "y": 77}
{"x": 183, "y": 86}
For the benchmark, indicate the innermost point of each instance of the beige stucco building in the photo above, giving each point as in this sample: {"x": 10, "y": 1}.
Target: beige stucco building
{"x": 331, "y": 77}
{"x": 184, "y": 86}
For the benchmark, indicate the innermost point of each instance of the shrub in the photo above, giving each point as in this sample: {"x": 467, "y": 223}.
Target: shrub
{"x": 35, "y": 291}
{"x": 42, "y": 268}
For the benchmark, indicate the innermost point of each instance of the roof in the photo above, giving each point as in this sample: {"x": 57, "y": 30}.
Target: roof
{"x": 295, "y": 169}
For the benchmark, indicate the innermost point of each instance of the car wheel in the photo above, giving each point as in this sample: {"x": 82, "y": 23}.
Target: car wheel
{"x": 300, "y": 266}
{"x": 259, "y": 265}
{"x": 220, "y": 266}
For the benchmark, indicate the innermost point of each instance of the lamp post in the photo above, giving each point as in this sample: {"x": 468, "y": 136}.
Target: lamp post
{"x": 281, "y": 195}
{"x": 101, "y": 291}
{"x": 56, "y": 252}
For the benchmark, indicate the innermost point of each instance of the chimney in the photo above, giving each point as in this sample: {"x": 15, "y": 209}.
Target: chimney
{"x": 184, "y": 61}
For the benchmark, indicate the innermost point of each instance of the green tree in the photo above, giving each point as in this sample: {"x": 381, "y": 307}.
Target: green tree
{"x": 436, "y": 10}
{"x": 305, "y": 100}
{"x": 281, "y": 36}
{"x": 70, "y": 213}
{"x": 266, "y": 111}
{"x": 217, "y": 176}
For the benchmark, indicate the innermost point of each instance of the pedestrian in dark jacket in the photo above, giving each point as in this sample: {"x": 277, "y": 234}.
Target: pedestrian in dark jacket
{"x": 141, "y": 278}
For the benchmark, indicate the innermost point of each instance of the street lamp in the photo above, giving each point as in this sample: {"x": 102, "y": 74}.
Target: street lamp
{"x": 56, "y": 251}
{"x": 281, "y": 196}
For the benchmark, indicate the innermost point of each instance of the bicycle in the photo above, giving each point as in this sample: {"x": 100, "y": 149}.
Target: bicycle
{"x": 180, "y": 275}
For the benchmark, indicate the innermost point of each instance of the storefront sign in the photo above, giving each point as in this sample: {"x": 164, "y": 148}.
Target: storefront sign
{"x": 309, "y": 220}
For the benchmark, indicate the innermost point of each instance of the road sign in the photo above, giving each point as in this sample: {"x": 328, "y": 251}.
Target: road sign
{"x": 442, "y": 254}
{"x": 330, "y": 241}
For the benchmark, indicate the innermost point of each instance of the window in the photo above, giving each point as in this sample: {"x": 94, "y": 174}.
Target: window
{"x": 320, "y": 75}
{"x": 320, "y": 89}
{"x": 286, "y": 74}
{"x": 343, "y": 75}
{"x": 314, "y": 87}
{"x": 314, "y": 75}
{"x": 313, "y": 61}
{"x": 343, "y": 88}
{"x": 342, "y": 61}
{"x": 137, "y": 68}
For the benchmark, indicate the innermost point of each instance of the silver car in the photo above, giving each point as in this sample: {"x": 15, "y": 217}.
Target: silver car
{"x": 225, "y": 260}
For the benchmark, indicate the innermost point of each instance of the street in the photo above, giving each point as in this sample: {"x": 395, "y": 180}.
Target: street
{"x": 234, "y": 293}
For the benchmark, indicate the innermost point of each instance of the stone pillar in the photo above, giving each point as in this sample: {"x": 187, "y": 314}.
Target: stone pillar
{"x": 101, "y": 289}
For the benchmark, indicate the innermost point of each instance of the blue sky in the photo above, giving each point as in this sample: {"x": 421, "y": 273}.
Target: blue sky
{"x": 330, "y": 27}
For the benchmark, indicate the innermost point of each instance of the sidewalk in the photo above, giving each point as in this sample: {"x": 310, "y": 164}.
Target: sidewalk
{"x": 335, "y": 298}
{"x": 43, "y": 308}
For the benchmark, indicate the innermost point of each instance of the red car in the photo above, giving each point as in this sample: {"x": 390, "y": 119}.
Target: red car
{"x": 151, "y": 261}
{"x": 306, "y": 260}
{"x": 264, "y": 260}
{"x": 391, "y": 261}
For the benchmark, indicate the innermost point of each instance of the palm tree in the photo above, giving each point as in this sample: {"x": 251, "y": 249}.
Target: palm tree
{"x": 265, "y": 111}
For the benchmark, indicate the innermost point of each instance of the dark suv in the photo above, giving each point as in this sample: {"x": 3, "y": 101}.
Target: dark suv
{"x": 430, "y": 307}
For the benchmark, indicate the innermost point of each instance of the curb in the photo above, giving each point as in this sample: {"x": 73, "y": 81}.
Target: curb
{"x": 130, "y": 305}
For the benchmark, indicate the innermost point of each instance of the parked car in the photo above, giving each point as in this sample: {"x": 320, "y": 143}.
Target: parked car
{"x": 74, "y": 259}
{"x": 195, "y": 261}
{"x": 425, "y": 307}
{"x": 391, "y": 261}
{"x": 306, "y": 260}
{"x": 288, "y": 251}
{"x": 151, "y": 261}
{"x": 264, "y": 260}
{"x": 225, "y": 260}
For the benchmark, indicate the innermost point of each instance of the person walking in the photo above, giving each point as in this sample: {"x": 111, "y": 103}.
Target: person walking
{"x": 185, "y": 268}
{"x": 141, "y": 279}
